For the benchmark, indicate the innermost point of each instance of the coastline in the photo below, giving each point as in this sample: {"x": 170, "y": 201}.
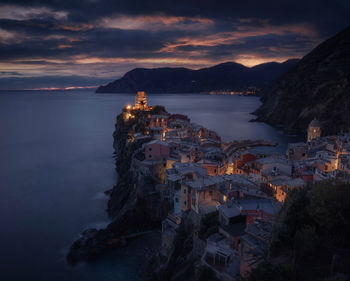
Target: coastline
{"x": 131, "y": 202}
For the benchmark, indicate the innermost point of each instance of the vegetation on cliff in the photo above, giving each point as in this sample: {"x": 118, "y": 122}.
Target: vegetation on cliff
{"x": 310, "y": 240}
{"x": 317, "y": 86}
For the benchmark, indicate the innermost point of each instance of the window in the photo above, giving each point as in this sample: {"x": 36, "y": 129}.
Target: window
{"x": 150, "y": 149}
{"x": 185, "y": 202}
{"x": 177, "y": 200}
{"x": 215, "y": 171}
{"x": 149, "y": 155}
{"x": 185, "y": 191}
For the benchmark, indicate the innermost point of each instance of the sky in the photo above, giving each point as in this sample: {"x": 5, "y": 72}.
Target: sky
{"x": 86, "y": 43}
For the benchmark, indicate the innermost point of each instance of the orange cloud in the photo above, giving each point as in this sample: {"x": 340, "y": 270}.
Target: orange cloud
{"x": 81, "y": 27}
{"x": 62, "y": 46}
{"x": 237, "y": 37}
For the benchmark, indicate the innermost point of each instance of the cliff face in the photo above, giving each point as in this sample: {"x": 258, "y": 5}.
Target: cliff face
{"x": 226, "y": 76}
{"x": 133, "y": 205}
{"x": 318, "y": 86}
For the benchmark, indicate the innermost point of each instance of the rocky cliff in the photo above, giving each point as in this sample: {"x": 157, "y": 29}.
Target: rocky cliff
{"x": 133, "y": 206}
{"x": 317, "y": 86}
{"x": 222, "y": 77}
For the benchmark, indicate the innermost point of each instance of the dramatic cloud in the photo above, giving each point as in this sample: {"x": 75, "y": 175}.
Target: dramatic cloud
{"x": 96, "y": 41}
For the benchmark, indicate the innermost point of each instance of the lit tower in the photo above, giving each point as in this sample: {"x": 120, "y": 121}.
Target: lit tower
{"x": 141, "y": 101}
{"x": 314, "y": 130}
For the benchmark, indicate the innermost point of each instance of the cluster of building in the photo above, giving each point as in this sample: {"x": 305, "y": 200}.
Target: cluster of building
{"x": 250, "y": 91}
{"x": 200, "y": 176}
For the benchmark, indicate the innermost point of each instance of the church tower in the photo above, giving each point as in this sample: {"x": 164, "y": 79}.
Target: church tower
{"x": 314, "y": 130}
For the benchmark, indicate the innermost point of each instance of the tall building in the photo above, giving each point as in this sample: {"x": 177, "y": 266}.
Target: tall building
{"x": 141, "y": 101}
{"x": 314, "y": 130}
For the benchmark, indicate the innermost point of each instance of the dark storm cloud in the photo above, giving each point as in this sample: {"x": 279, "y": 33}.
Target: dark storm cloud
{"x": 331, "y": 15}
{"x": 12, "y": 73}
{"x": 96, "y": 42}
{"x": 105, "y": 37}
{"x": 281, "y": 10}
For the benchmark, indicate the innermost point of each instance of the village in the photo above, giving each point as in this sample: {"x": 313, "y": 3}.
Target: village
{"x": 203, "y": 177}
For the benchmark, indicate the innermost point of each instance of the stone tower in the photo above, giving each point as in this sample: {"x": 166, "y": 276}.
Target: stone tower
{"x": 314, "y": 130}
{"x": 141, "y": 101}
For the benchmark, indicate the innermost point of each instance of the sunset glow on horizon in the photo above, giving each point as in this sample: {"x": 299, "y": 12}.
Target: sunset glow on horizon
{"x": 44, "y": 44}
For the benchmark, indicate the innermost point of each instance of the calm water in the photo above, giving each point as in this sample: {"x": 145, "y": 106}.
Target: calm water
{"x": 56, "y": 159}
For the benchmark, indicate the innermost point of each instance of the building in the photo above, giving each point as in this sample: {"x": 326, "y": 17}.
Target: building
{"x": 207, "y": 194}
{"x": 213, "y": 168}
{"x": 254, "y": 246}
{"x": 282, "y": 185}
{"x": 297, "y": 151}
{"x": 251, "y": 209}
{"x": 221, "y": 258}
{"x": 314, "y": 130}
{"x": 141, "y": 101}
{"x": 157, "y": 150}
{"x": 181, "y": 173}
{"x": 270, "y": 166}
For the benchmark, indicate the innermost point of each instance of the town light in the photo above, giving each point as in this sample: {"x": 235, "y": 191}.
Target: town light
{"x": 128, "y": 107}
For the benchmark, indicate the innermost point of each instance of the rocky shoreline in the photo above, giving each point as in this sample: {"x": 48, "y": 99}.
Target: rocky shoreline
{"x": 137, "y": 207}
{"x": 133, "y": 206}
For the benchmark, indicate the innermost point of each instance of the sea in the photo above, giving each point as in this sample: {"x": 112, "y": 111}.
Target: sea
{"x": 56, "y": 161}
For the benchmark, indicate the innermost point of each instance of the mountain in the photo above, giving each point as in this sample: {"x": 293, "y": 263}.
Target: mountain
{"x": 222, "y": 77}
{"x": 317, "y": 86}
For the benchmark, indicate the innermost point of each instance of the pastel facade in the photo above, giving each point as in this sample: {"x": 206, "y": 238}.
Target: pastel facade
{"x": 157, "y": 150}
{"x": 213, "y": 168}
{"x": 297, "y": 151}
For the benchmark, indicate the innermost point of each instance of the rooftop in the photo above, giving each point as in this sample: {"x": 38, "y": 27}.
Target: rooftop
{"x": 164, "y": 143}
{"x": 266, "y": 205}
{"x": 185, "y": 168}
{"x": 230, "y": 211}
{"x": 236, "y": 229}
{"x": 206, "y": 182}
{"x": 271, "y": 160}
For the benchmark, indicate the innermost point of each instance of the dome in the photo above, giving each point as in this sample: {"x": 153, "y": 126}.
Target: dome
{"x": 315, "y": 123}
